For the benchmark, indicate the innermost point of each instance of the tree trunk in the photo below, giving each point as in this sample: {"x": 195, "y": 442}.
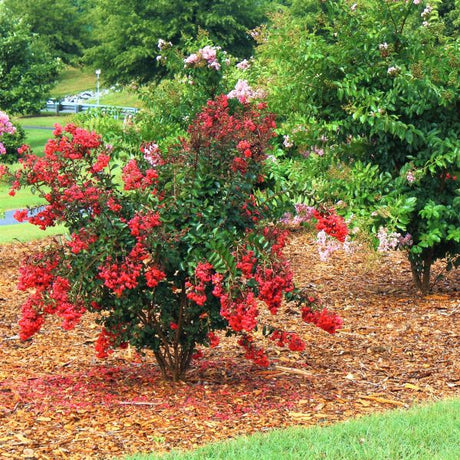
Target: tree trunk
{"x": 174, "y": 365}
{"x": 421, "y": 271}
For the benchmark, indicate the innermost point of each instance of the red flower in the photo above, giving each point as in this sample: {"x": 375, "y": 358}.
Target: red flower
{"x": 21, "y": 215}
{"x": 213, "y": 339}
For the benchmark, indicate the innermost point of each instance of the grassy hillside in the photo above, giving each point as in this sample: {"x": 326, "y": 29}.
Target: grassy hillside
{"x": 75, "y": 80}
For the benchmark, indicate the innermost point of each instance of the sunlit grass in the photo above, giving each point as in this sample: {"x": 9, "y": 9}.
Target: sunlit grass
{"x": 76, "y": 80}
{"x": 27, "y": 232}
{"x": 46, "y": 120}
{"x": 73, "y": 81}
{"x": 22, "y": 199}
{"x": 122, "y": 98}
{"x": 422, "y": 433}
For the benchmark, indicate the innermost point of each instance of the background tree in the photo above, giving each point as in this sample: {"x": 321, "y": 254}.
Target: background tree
{"x": 127, "y": 32}
{"x": 27, "y": 69}
{"x": 62, "y": 25}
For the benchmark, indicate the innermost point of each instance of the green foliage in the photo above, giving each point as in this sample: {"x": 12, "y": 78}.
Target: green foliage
{"x": 374, "y": 87}
{"x": 127, "y": 32}
{"x": 170, "y": 104}
{"x": 60, "y": 25}
{"x": 27, "y": 70}
{"x": 117, "y": 130}
{"x": 11, "y": 143}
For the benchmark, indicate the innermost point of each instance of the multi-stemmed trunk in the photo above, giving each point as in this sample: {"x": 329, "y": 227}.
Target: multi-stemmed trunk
{"x": 421, "y": 271}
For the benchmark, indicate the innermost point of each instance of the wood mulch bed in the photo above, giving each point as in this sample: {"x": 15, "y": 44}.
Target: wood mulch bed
{"x": 396, "y": 349}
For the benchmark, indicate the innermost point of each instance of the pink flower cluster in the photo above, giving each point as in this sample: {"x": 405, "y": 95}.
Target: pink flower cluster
{"x": 204, "y": 56}
{"x": 393, "y": 240}
{"x": 244, "y": 93}
{"x": 5, "y": 127}
{"x": 152, "y": 154}
{"x": 243, "y": 65}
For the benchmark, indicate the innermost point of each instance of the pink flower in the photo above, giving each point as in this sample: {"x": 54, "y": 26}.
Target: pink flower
{"x": 192, "y": 59}
{"x": 244, "y": 93}
{"x": 243, "y": 65}
{"x": 209, "y": 54}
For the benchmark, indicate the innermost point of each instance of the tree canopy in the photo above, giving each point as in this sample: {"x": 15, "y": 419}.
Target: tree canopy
{"x": 128, "y": 31}
{"x": 62, "y": 25}
{"x": 27, "y": 69}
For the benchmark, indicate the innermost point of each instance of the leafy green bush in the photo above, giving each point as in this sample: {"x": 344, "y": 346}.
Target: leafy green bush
{"x": 11, "y": 143}
{"x": 375, "y": 83}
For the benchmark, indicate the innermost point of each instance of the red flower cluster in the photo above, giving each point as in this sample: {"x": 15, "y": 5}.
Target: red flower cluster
{"x": 256, "y": 355}
{"x": 32, "y": 317}
{"x": 153, "y": 276}
{"x": 106, "y": 343}
{"x": 203, "y": 275}
{"x": 292, "y": 340}
{"x": 245, "y": 133}
{"x": 134, "y": 179}
{"x": 101, "y": 163}
{"x": 121, "y": 276}
{"x": 323, "y": 319}
{"x": 81, "y": 241}
{"x": 213, "y": 339}
{"x": 241, "y": 312}
{"x": 143, "y": 222}
{"x": 332, "y": 224}
{"x": 36, "y": 271}
{"x": 51, "y": 295}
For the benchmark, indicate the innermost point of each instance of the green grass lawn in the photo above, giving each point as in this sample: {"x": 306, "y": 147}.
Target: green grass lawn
{"x": 27, "y": 232}
{"x": 74, "y": 80}
{"x": 45, "y": 120}
{"x": 122, "y": 98}
{"x": 22, "y": 232}
{"x": 422, "y": 433}
{"x": 22, "y": 199}
{"x": 37, "y": 138}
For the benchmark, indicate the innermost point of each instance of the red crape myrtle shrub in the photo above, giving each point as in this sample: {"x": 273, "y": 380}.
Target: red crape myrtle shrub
{"x": 175, "y": 249}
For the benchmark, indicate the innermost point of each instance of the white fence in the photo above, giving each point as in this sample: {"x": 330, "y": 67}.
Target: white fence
{"x": 73, "y": 107}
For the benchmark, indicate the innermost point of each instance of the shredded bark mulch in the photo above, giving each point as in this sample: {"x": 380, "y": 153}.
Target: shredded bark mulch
{"x": 396, "y": 348}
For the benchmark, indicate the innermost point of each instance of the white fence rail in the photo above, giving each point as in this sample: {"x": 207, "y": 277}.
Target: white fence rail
{"x": 73, "y": 107}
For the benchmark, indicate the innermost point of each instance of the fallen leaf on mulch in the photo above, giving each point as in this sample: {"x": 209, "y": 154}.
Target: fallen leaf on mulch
{"x": 396, "y": 348}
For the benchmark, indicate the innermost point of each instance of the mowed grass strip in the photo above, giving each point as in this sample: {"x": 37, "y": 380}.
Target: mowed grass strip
{"x": 27, "y": 232}
{"x": 45, "y": 120}
{"x": 22, "y": 199}
{"x": 422, "y": 433}
{"x": 123, "y": 98}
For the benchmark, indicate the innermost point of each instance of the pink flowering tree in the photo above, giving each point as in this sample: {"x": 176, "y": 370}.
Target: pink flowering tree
{"x": 199, "y": 71}
{"x": 181, "y": 248}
